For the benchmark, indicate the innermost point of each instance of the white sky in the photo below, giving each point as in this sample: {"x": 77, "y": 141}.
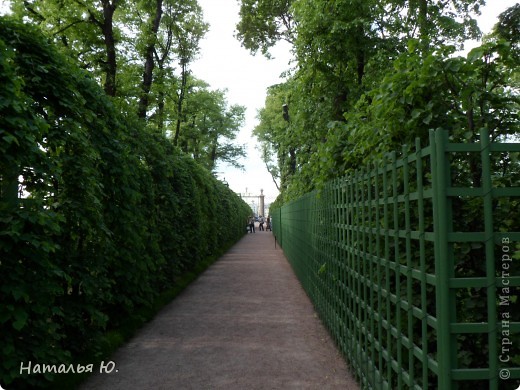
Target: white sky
{"x": 224, "y": 64}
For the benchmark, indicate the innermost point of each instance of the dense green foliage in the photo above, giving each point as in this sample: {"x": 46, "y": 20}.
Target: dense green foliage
{"x": 98, "y": 216}
{"x": 263, "y": 23}
{"x": 370, "y": 76}
{"x": 141, "y": 53}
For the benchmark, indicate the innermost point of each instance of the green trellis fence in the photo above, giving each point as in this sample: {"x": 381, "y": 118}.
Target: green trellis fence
{"x": 413, "y": 265}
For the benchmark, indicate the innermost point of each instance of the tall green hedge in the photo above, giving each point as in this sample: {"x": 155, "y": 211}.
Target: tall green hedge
{"x": 97, "y": 215}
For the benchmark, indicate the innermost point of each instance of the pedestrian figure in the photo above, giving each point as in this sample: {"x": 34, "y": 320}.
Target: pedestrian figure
{"x": 251, "y": 225}
{"x": 268, "y": 226}
{"x": 261, "y": 223}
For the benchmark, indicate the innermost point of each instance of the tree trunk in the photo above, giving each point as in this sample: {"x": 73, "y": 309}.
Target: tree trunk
{"x": 160, "y": 111}
{"x": 292, "y": 161}
{"x": 110, "y": 45}
{"x": 161, "y": 60}
{"x": 273, "y": 176}
{"x": 213, "y": 155}
{"x": 423, "y": 24}
{"x": 149, "y": 63}
{"x": 184, "y": 81}
{"x": 360, "y": 59}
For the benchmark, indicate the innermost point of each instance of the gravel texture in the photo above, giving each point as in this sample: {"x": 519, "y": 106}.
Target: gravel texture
{"x": 245, "y": 323}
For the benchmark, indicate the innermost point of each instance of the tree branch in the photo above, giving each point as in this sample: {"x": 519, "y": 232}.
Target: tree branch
{"x": 68, "y": 26}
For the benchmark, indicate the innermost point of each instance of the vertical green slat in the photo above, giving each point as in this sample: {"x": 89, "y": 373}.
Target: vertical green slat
{"x": 319, "y": 236}
{"x": 344, "y": 273}
{"x": 346, "y": 302}
{"x": 310, "y": 281}
{"x": 323, "y": 249}
{"x": 346, "y": 222}
{"x": 305, "y": 227}
{"x": 409, "y": 285}
{"x": 440, "y": 177}
{"x": 379, "y": 380}
{"x": 345, "y": 262}
{"x": 344, "y": 255}
{"x": 371, "y": 278}
{"x": 422, "y": 260}
{"x": 397, "y": 271}
{"x": 490, "y": 259}
{"x": 387, "y": 275}
{"x": 363, "y": 277}
{"x": 337, "y": 266}
{"x": 280, "y": 224}
{"x": 310, "y": 275}
{"x": 351, "y": 264}
{"x": 354, "y": 261}
{"x": 359, "y": 260}
{"x": 335, "y": 258}
{"x": 330, "y": 254}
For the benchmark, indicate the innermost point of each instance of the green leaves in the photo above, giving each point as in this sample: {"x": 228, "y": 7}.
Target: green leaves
{"x": 383, "y": 69}
{"x": 141, "y": 52}
{"x": 213, "y": 126}
{"x": 20, "y": 317}
{"x": 108, "y": 217}
{"x": 263, "y": 23}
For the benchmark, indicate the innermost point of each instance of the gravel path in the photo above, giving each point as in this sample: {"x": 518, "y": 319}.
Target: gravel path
{"x": 245, "y": 323}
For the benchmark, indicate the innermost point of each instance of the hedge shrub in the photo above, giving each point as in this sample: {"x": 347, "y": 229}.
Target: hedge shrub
{"x": 97, "y": 215}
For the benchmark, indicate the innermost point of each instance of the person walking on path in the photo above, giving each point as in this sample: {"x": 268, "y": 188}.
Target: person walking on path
{"x": 261, "y": 223}
{"x": 251, "y": 225}
{"x": 268, "y": 226}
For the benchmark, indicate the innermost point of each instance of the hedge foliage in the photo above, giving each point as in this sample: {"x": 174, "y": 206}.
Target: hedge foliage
{"x": 108, "y": 217}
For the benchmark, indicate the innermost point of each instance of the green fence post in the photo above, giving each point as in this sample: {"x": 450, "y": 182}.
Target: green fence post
{"x": 422, "y": 259}
{"x": 490, "y": 259}
{"x": 409, "y": 266}
{"x": 280, "y": 226}
{"x": 378, "y": 380}
{"x": 443, "y": 261}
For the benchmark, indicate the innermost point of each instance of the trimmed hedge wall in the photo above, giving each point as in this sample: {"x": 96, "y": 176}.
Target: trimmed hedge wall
{"x": 108, "y": 218}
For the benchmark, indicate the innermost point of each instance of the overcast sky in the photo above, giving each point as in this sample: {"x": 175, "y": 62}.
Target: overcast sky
{"x": 224, "y": 64}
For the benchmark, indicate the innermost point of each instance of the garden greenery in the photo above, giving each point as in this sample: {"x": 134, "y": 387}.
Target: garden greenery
{"x": 369, "y": 79}
{"x": 98, "y": 216}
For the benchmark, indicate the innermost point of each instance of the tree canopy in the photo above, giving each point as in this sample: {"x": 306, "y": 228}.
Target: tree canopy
{"x": 141, "y": 53}
{"x": 370, "y": 76}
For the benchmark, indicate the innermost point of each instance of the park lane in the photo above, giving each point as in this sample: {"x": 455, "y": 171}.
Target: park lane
{"x": 245, "y": 323}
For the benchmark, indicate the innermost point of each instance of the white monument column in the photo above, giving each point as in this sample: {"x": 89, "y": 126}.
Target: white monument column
{"x": 261, "y": 210}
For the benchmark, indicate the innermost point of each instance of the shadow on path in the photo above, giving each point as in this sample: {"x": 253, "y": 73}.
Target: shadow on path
{"x": 245, "y": 323}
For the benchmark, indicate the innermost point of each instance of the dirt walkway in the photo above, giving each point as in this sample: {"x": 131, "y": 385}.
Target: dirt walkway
{"x": 244, "y": 324}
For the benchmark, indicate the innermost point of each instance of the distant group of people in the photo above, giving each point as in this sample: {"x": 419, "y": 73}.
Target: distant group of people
{"x": 261, "y": 221}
